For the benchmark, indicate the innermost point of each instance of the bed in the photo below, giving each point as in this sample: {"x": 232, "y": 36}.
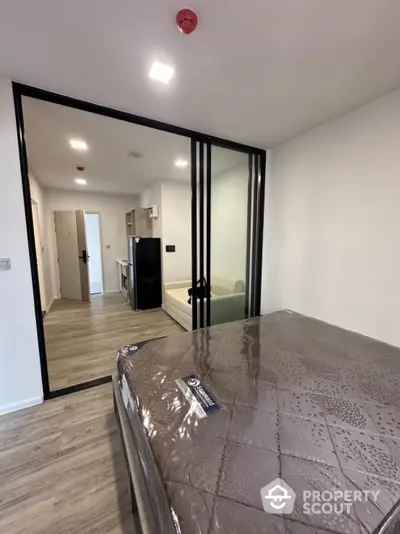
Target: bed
{"x": 227, "y": 301}
{"x": 211, "y": 419}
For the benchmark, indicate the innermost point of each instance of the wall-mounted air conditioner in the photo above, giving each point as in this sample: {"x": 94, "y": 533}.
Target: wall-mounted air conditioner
{"x": 152, "y": 211}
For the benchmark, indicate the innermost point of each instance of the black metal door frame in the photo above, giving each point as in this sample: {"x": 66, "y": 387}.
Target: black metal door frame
{"x": 205, "y": 141}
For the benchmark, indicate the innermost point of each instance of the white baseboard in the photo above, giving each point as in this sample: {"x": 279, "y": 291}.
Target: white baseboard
{"x": 14, "y": 406}
{"x": 111, "y": 291}
{"x": 51, "y": 304}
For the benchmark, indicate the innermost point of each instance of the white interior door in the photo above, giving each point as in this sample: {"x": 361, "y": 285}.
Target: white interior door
{"x": 68, "y": 254}
{"x": 83, "y": 255}
{"x": 39, "y": 252}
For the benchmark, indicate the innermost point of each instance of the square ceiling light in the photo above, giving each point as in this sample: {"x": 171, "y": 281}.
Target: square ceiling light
{"x": 161, "y": 72}
{"x": 182, "y": 163}
{"x": 78, "y": 144}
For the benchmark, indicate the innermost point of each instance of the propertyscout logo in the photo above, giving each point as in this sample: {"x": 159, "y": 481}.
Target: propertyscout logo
{"x": 279, "y": 498}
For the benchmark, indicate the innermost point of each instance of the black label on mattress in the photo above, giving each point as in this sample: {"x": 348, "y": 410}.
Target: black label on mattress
{"x": 131, "y": 350}
{"x": 201, "y": 399}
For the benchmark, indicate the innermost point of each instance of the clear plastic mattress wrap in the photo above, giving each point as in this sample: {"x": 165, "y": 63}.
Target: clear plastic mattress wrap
{"x": 220, "y": 413}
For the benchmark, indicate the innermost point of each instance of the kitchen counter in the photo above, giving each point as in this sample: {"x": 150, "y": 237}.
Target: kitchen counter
{"x": 122, "y": 276}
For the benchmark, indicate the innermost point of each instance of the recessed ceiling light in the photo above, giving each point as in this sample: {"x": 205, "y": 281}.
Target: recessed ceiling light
{"x": 78, "y": 144}
{"x": 161, "y": 72}
{"x": 80, "y": 181}
{"x": 181, "y": 163}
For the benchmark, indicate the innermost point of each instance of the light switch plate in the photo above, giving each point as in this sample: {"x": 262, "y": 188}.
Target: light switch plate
{"x": 5, "y": 264}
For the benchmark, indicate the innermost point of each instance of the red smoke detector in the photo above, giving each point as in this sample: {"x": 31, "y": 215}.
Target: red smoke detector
{"x": 80, "y": 169}
{"x": 186, "y": 20}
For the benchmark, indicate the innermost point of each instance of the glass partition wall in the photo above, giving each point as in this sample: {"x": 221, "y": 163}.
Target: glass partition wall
{"x": 229, "y": 207}
{"x": 227, "y": 224}
{"x": 210, "y": 222}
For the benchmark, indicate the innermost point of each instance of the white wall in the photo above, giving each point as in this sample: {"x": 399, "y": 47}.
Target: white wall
{"x": 332, "y": 243}
{"x": 173, "y": 225}
{"x": 112, "y": 209}
{"x": 229, "y": 192}
{"x": 229, "y": 224}
{"x": 37, "y": 194}
{"x": 152, "y": 197}
{"x": 20, "y": 379}
{"x": 176, "y": 230}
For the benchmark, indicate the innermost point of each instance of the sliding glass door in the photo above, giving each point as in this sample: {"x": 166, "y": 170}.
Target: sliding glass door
{"x": 227, "y": 222}
{"x": 229, "y": 191}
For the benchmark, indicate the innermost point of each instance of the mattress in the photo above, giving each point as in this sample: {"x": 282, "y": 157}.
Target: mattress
{"x": 179, "y": 298}
{"x": 183, "y": 319}
{"x": 221, "y": 417}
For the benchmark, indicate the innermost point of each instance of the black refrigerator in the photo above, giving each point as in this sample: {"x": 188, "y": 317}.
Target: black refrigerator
{"x": 144, "y": 276}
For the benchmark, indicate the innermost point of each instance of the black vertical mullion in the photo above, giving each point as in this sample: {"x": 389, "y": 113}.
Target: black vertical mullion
{"x": 260, "y": 232}
{"x": 201, "y": 228}
{"x": 255, "y": 232}
{"x": 254, "y": 238}
{"x": 208, "y": 232}
{"x": 248, "y": 241}
{"x": 194, "y": 232}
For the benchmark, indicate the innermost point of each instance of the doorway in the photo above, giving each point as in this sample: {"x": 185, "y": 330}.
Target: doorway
{"x": 92, "y": 225}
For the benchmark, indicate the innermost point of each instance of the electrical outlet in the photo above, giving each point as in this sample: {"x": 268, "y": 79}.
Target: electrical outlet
{"x": 5, "y": 264}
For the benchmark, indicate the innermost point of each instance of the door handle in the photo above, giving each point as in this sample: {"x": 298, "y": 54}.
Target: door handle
{"x": 84, "y": 256}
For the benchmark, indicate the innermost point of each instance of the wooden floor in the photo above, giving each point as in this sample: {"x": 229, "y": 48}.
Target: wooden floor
{"x": 82, "y": 339}
{"x": 62, "y": 468}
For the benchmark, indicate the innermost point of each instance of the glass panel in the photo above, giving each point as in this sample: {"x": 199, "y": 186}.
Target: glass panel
{"x": 143, "y": 175}
{"x": 229, "y": 209}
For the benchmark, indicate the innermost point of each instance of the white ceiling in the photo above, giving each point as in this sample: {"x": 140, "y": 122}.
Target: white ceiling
{"x": 258, "y": 72}
{"x": 109, "y": 167}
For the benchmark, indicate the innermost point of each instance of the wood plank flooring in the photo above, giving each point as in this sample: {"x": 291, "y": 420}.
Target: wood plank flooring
{"x": 62, "y": 468}
{"x": 82, "y": 339}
